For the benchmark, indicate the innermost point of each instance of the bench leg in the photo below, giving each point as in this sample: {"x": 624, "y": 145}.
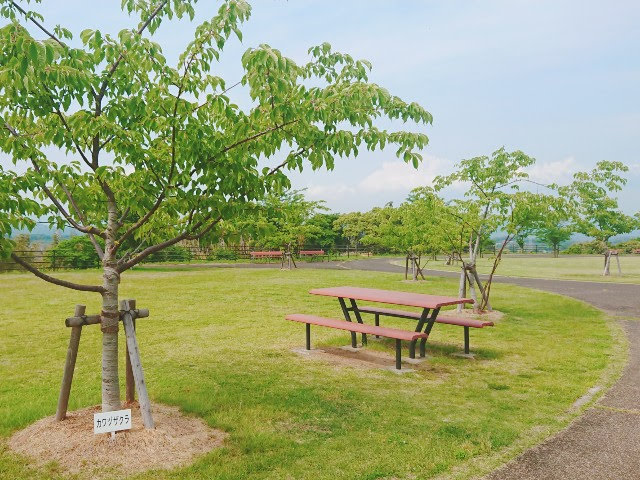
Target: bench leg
{"x": 412, "y": 349}
{"x": 466, "y": 340}
{"x": 398, "y": 354}
{"x": 354, "y": 340}
{"x": 377, "y": 320}
{"x": 423, "y": 347}
{"x": 308, "y": 331}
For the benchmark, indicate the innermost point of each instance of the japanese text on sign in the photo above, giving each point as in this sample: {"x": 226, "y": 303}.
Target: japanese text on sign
{"x": 112, "y": 421}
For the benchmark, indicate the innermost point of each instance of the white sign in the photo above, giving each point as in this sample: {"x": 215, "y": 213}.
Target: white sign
{"x": 112, "y": 421}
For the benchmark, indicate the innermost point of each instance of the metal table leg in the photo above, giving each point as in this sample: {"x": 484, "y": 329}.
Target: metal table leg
{"x": 347, "y": 317}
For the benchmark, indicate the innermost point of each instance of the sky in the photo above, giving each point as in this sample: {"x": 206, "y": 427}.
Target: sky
{"x": 556, "y": 79}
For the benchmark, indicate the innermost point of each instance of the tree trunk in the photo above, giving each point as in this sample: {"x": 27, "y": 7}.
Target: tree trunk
{"x": 483, "y": 290}
{"x": 109, "y": 318}
{"x": 472, "y": 289}
{"x": 607, "y": 261}
{"x": 414, "y": 269}
{"x": 109, "y": 323}
{"x": 462, "y": 288}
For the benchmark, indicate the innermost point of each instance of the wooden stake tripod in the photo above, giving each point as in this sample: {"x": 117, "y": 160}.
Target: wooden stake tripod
{"x": 135, "y": 374}
{"x": 415, "y": 267}
{"x": 287, "y": 258}
{"x": 607, "y": 262}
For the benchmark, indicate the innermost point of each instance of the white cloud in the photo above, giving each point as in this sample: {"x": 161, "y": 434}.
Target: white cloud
{"x": 558, "y": 171}
{"x": 398, "y": 176}
{"x": 334, "y": 191}
{"x": 634, "y": 168}
{"x": 392, "y": 180}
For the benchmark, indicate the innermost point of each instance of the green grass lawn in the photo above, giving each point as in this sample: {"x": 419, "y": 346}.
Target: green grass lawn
{"x": 565, "y": 267}
{"x": 217, "y": 345}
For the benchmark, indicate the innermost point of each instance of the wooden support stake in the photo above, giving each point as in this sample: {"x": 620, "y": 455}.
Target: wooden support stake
{"x": 69, "y": 366}
{"x": 136, "y": 366}
{"x": 406, "y": 267}
{"x": 130, "y": 383}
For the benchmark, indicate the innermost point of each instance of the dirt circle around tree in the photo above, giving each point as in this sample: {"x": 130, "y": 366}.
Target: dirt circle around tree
{"x": 177, "y": 440}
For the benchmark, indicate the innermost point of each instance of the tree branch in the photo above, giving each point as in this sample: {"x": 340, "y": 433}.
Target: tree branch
{"x": 82, "y": 218}
{"x": 84, "y": 229}
{"x": 39, "y": 25}
{"x": 142, "y": 220}
{"x": 284, "y": 164}
{"x": 216, "y": 96}
{"x": 253, "y": 137}
{"x": 103, "y": 87}
{"x": 56, "y": 281}
{"x": 187, "y": 235}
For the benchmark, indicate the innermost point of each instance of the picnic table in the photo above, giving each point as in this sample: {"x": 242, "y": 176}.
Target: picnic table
{"x": 430, "y": 305}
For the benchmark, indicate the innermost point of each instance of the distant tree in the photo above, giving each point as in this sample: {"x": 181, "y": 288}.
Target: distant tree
{"x": 521, "y": 239}
{"x": 597, "y": 212}
{"x": 325, "y": 236}
{"x": 380, "y": 230}
{"x": 352, "y": 226}
{"x": 554, "y": 234}
{"x": 160, "y": 153}
{"x": 557, "y": 225}
{"x": 284, "y": 221}
{"x": 422, "y": 226}
{"x": 22, "y": 244}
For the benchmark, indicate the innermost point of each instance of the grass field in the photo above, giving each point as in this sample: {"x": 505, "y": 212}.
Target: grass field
{"x": 290, "y": 417}
{"x": 565, "y": 267}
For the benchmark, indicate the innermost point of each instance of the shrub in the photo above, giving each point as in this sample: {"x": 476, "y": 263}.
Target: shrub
{"x": 174, "y": 253}
{"x": 629, "y": 246}
{"x": 585, "y": 248}
{"x": 75, "y": 252}
{"x": 222, "y": 254}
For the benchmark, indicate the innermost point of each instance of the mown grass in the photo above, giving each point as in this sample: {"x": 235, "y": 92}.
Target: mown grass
{"x": 217, "y": 346}
{"x": 565, "y": 267}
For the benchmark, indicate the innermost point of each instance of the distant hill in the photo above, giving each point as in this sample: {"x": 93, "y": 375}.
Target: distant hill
{"x": 43, "y": 234}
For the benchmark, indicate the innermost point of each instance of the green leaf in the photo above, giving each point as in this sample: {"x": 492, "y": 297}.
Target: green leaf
{"x": 49, "y": 53}
{"x": 33, "y": 52}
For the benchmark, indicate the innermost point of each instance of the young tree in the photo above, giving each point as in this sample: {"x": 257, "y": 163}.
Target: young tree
{"x": 597, "y": 211}
{"x": 282, "y": 220}
{"x": 159, "y": 153}
{"x": 422, "y": 226}
{"x": 492, "y": 202}
{"x": 556, "y": 227}
{"x": 553, "y": 234}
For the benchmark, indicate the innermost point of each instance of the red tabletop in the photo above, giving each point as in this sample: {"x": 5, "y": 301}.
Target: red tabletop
{"x": 390, "y": 296}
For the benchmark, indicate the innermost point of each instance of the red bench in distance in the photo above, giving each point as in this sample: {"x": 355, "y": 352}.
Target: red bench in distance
{"x": 395, "y": 333}
{"x": 270, "y": 254}
{"x": 312, "y": 253}
{"x": 462, "y": 322}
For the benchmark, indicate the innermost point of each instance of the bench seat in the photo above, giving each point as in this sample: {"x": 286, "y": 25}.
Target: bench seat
{"x": 462, "y": 322}
{"x": 267, "y": 255}
{"x": 395, "y": 333}
{"x": 313, "y": 254}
